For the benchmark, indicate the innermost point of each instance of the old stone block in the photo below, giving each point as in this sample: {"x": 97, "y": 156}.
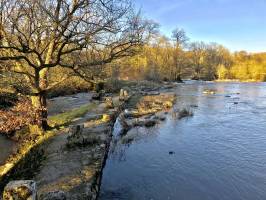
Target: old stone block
{"x": 20, "y": 190}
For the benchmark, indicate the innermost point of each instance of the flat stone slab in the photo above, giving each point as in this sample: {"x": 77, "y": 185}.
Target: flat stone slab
{"x": 73, "y": 170}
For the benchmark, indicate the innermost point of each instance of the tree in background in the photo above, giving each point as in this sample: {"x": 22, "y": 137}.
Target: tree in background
{"x": 37, "y": 36}
{"x": 179, "y": 38}
{"x": 197, "y": 58}
{"x": 215, "y": 57}
{"x": 249, "y": 66}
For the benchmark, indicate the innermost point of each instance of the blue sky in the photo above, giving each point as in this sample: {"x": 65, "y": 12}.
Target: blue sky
{"x": 237, "y": 24}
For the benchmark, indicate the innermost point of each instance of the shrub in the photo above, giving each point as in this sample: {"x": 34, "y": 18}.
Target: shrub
{"x": 20, "y": 115}
{"x": 114, "y": 85}
{"x": 7, "y": 100}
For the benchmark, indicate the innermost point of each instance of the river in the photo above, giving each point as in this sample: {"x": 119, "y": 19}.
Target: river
{"x": 219, "y": 153}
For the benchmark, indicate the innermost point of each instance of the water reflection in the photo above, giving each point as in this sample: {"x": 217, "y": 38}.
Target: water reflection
{"x": 121, "y": 142}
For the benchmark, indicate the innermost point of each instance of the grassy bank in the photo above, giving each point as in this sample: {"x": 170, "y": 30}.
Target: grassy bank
{"x": 67, "y": 117}
{"x": 36, "y": 138}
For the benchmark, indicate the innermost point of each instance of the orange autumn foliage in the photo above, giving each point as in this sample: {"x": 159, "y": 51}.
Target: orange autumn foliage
{"x": 17, "y": 117}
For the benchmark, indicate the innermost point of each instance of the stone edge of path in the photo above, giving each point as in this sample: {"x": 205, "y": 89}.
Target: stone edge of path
{"x": 29, "y": 163}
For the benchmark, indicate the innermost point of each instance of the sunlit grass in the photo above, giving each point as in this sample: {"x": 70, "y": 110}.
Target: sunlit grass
{"x": 67, "y": 117}
{"x": 54, "y": 121}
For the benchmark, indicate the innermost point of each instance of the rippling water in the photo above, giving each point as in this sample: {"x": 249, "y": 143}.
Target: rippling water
{"x": 219, "y": 153}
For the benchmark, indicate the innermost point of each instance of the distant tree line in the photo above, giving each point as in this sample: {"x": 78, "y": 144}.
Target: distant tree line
{"x": 176, "y": 58}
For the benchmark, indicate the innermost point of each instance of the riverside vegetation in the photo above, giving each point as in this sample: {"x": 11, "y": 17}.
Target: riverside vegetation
{"x": 56, "y": 48}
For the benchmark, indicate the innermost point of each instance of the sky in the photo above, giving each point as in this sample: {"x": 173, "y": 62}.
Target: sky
{"x": 236, "y": 24}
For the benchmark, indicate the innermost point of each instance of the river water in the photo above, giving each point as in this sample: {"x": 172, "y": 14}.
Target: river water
{"x": 219, "y": 153}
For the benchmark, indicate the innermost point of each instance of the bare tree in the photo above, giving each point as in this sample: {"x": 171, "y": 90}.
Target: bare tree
{"x": 179, "y": 37}
{"x": 198, "y": 53}
{"x": 39, "y": 35}
{"x": 216, "y": 55}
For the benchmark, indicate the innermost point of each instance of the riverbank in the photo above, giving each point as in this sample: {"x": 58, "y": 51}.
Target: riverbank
{"x": 75, "y": 158}
{"x": 51, "y": 157}
{"x": 237, "y": 80}
{"x": 71, "y": 162}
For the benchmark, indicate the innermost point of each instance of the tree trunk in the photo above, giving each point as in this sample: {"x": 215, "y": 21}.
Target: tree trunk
{"x": 178, "y": 74}
{"x": 178, "y": 78}
{"x": 40, "y": 103}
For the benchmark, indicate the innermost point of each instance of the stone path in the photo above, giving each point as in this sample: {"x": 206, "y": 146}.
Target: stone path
{"x": 77, "y": 170}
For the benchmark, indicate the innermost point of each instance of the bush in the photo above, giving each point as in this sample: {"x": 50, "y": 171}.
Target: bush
{"x": 97, "y": 87}
{"x": 263, "y": 78}
{"x": 22, "y": 114}
{"x": 7, "y": 100}
{"x": 114, "y": 85}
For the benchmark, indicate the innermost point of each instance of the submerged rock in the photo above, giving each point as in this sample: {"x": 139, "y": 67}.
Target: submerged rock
{"x": 209, "y": 91}
{"x": 150, "y": 123}
{"x": 20, "y": 190}
{"x": 96, "y": 96}
{"x": 144, "y": 122}
{"x": 194, "y": 106}
{"x": 159, "y": 116}
{"x": 184, "y": 113}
